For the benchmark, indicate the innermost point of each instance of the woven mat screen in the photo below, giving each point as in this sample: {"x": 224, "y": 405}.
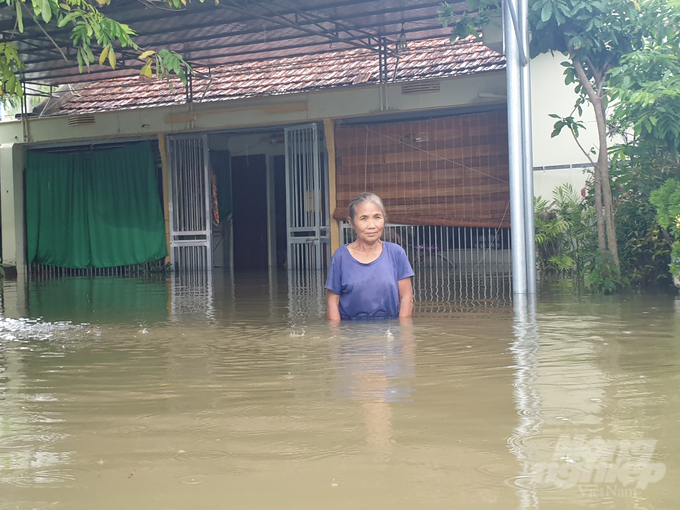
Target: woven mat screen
{"x": 450, "y": 171}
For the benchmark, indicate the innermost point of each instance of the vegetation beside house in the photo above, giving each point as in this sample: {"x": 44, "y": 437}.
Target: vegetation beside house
{"x": 622, "y": 57}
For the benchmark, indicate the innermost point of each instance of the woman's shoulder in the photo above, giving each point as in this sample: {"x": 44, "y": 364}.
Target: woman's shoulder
{"x": 393, "y": 247}
{"x": 341, "y": 252}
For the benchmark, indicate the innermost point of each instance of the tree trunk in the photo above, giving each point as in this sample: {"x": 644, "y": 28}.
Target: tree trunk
{"x": 599, "y": 208}
{"x": 602, "y": 167}
{"x": 603, "y": 163}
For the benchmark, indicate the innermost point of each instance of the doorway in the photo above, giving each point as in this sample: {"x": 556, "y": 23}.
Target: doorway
{"x": 280, "y": 210}
{"x": 249, "y": 184}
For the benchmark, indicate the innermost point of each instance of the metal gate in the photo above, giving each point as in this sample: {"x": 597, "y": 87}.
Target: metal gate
{"x": 307, "y": 200}
{"x": 190, "y": 221}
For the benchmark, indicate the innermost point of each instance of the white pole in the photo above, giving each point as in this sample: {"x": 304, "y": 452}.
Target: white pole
{"x": 515, "y": 151}
{"x": 528, "y": 151}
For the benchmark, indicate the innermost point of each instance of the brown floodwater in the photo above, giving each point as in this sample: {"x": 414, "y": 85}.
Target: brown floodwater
{"x": 227, "y": 393}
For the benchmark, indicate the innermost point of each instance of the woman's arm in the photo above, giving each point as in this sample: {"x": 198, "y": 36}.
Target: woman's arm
{"x": 332, "y": 306}
{"x": 405, "y": 298}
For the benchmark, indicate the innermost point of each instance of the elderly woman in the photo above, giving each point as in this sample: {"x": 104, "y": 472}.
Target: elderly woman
{"x": 369, "y": 278}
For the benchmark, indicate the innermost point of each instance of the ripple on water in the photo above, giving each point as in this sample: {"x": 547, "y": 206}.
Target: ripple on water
{"x": 124, "y": 430}
{"x": 200, "y": 455}
{"x": 18, "y": 475}
{"x": 22, "y": 330}
{"x": 528, "y": 482}
{"x": 540, "y": 446}
{"x": 554, "y": 414}
{"x": 192, "y": 479}
{"x": 498, "y": 468}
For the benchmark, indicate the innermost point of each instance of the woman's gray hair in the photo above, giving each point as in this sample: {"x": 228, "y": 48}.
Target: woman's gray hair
{"x": 365, "y": 197}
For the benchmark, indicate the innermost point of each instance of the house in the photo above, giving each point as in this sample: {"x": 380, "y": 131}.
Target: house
{"x": 256, "y": 162}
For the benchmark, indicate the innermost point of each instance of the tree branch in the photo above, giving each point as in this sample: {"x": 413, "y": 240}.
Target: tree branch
{"x": 585, "y": 153}
{"x": 593, "y": 69}
{"x": 583, "y": 78}
{"x": 44, "y": 32}
{"x": 666, "y": 235}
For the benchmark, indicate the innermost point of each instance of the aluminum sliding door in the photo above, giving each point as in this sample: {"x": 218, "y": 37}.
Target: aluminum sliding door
{"x": 307, "y": 209}
{"x": 190, "y": 215}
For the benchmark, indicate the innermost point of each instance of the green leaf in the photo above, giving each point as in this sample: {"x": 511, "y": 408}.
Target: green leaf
{"x": 546, "y": 12}
{"x": 69, "y": 17}
{"x": 20, "y": 16}
{"x": 112, "y": 59}
{"x": 46, "y": 11}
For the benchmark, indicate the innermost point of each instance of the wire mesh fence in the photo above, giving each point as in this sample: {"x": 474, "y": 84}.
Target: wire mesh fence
{"x": 43, "y": 271}
{"x": 452, "y": 264}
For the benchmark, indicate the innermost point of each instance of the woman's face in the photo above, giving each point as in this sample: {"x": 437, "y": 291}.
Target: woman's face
{"x": 368, "y": 222}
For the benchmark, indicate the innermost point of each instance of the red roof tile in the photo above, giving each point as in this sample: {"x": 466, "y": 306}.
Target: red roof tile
{"x": 424, "y": 59}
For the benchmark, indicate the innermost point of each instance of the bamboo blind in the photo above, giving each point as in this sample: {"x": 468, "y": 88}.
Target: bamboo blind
{"x": 450, "y": 171}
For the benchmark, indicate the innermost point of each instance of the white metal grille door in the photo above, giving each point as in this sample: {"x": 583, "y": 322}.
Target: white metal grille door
{"x": 190, "y": 222}
{"x": 306, "y": 200}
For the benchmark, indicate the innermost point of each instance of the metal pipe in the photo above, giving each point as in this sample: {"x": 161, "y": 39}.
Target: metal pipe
{"x": 515, "y": 151}
{"x": 527, "y": 146}
{"x": 517, "y": 29}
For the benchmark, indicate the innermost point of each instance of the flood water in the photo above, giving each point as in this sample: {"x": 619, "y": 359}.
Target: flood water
{"x": 236, "y": 394}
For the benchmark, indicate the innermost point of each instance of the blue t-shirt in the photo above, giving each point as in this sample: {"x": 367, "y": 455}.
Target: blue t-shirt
{"x": 369, "y": 291}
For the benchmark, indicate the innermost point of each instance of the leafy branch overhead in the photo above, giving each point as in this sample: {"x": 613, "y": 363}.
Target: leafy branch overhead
{"x": 477, "y": 15}
{"x": 91, "y": 33}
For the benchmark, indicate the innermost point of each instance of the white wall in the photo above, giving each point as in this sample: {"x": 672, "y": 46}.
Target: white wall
{"x": 545, "y": 181}
{"x": 551, "y": 95}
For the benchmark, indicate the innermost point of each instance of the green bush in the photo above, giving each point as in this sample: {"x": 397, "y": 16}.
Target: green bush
{"x": 564, "y": 233}
{"x": 666, "y": 199}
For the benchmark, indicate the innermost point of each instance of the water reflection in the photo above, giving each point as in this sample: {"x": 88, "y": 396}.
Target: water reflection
{"x": 587, "y": 433}
{"x": 192, "y": 295}
{"x": 104, "y": 299}
{"x": 527, "y": 398}
{"x": 306, "y": 295}
{"x": 29, "y": 453}
{"x": 374, "y": 364}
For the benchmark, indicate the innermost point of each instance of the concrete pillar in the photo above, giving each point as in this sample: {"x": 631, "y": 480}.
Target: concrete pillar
{"x": 12, "y": 206}
{"x": 162, "y": 148}
{"x": 329, "y": 132}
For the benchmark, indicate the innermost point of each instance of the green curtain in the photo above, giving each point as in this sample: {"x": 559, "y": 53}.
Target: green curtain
{"x": 94, "y": 209}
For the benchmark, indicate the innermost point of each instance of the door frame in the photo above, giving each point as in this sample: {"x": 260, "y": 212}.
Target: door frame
{"x": 182, "y": 241}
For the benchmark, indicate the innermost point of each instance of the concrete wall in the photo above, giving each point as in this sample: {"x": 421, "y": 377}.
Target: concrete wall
{"x": 12, "y": 205}
{"x": 551, "y": 95}
{"x": 485, "y": 89}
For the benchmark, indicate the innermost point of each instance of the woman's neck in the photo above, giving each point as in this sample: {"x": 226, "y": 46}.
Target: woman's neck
{"x": 365, "y": 247}
{"x": 365, "y": 252}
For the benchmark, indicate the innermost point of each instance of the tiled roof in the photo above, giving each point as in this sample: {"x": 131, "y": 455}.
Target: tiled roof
{"x": 423, "y": 60}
